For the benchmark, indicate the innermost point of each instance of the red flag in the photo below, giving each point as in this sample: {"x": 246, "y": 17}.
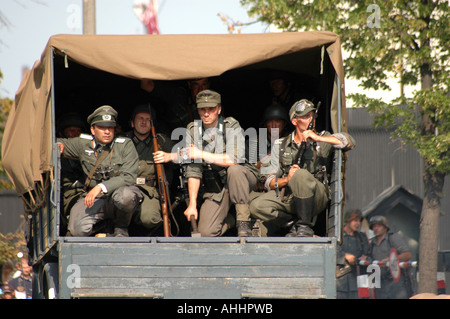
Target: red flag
{"x": 147, "y": 12}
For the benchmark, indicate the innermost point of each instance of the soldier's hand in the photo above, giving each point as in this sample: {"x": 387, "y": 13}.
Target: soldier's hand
{"x": 92, "y": 195}
{"x": 350, "y": 258}
{"x": 194, "y": 152}
{"x": 310, "y": 135}
{"x": 292, "y": 171}
{"x": 61, "y": 147}
{"x": 161, "y": 157}
{"x": 191, "y": 211}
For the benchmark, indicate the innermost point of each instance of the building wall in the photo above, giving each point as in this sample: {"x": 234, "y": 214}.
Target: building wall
{"x": 379, "y": 162}
{"x": 11, "y": 212}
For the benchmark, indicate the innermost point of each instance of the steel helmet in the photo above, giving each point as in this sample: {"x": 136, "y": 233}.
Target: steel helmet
{"x": 378, "y": 220}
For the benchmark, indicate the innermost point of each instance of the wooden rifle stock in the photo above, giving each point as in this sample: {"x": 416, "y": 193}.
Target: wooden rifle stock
{"x": 164, "y": 197}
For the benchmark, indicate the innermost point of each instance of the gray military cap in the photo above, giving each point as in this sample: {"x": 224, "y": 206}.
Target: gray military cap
{"x": 301, "y": 108}
{"x": 104, "y": 116}
{"x": 208, "y": 98}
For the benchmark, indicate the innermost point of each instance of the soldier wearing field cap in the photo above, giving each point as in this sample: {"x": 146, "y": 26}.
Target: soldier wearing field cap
{"x": 110, "y": 165}
{"x": 299, "y": 191}
{"x": 215, "y": 155}
{"x": 379, "y": 249}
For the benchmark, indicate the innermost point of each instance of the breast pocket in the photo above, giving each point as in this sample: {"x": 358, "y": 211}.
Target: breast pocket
{"x": 286, "y": 159}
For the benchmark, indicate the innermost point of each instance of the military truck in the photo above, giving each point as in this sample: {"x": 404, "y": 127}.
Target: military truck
{"x": 82, "y": 72}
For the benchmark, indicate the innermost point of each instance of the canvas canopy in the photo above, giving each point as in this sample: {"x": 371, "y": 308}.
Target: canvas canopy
{"x": 28, "y": 140}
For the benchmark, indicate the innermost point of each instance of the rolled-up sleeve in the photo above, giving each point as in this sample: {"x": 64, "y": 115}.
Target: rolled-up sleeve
{"x": 347, "y": 140}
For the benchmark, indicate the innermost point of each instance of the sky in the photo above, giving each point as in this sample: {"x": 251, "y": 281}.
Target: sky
{"x": 32, "y": 22}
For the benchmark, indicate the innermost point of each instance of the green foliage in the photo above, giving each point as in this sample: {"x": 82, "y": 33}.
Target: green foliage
{"x": 5, "y": 107}
{"x": 408, "y": 40}
{"x": 11, "y": 245}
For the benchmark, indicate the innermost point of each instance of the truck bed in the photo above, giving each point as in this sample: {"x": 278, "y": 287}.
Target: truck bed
{"x": 186, "y": 267}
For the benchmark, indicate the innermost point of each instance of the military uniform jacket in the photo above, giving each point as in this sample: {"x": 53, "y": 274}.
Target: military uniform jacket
{"x": 122, "y": 159}
{"x": 316, "y": 155}
{"x": 215, "y": 141}
{"x": 381, "y": 251}
{"x": 147, "y": 170}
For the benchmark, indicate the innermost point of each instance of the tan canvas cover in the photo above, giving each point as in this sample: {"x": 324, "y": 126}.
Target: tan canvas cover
{"x": 27, "y": 142}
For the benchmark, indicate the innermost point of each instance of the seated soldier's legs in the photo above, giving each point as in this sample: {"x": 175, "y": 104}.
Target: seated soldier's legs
{"x": 125, "y": 199}
{"x": 309, "y": 198}
{"x": 241, "y": 181}
{"x": 82, "y": 219}
{"x": 304, "y": 185}
{"x": 269, "y": 207}
{"x": 213, "y": 217}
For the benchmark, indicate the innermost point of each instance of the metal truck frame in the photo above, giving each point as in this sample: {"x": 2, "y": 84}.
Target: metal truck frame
{"x": 74, "y": 67}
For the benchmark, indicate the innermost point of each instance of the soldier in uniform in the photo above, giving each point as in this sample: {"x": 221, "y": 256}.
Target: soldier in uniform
{"x": 305, "y": 192}
{"x": 214, "y": 150}
{"x": 379, "y": 249}
{"x": 148, "y": 213}
{"x": 354, "y": 248}
{"x": 70, "y": 125}
{"x": 111, "y": 166}
{"x": 180, "y": 101}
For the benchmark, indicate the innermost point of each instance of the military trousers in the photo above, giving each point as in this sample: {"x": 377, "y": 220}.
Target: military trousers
{"x": 119, "y": 206}
{"x": 241, "y": 181}
{"x": 270, "y": 206}
{"x": 213, "y": 216}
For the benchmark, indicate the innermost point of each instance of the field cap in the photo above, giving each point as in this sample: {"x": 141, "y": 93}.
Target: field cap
{"x": 104, "y": 116}
{"x": 207, "y": 98}
{"x": 301, "y": 108}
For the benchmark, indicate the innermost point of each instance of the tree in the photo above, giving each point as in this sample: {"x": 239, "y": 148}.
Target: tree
{"x": 404, "y": 39}
{"x": 5, "y": 107}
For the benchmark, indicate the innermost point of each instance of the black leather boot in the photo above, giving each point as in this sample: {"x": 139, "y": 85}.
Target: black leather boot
{"x": 243, "y": 220}
{"x": 304, "y": 208}
{"x": 121, "y": 222}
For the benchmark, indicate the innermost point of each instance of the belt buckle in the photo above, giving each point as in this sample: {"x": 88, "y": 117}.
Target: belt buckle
{"x": 140, "y": 180}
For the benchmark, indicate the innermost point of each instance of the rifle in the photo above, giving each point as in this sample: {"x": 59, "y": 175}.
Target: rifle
{"x": 302, "y": 149}
{"x": 164, "y": 197}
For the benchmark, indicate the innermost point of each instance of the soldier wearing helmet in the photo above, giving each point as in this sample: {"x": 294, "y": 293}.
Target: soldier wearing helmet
{"x": 379, "y": 249}
{"x": 274, "y": 124}
{"x": 298, "y": 187}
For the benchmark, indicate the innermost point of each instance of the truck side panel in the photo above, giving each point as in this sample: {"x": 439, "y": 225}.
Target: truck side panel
{"x": 170, "y": 268}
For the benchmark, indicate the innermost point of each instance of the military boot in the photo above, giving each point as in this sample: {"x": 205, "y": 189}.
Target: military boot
{"x": 121, "y": 222}
{"x": 304, "y": 208}
{"x": 243, "y": 220}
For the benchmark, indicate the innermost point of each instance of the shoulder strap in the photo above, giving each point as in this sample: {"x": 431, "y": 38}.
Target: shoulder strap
{"x": 91, "y": 173}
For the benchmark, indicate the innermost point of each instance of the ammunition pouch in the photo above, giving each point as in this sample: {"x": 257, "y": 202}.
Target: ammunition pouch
{"x": 213, "y": 181}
